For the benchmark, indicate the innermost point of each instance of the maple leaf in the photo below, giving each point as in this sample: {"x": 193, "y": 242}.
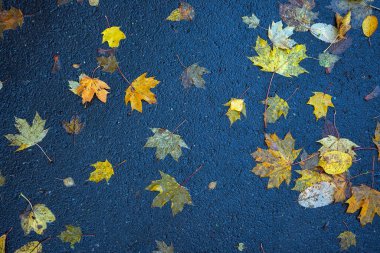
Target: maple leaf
{"x": 281, "y": 61}
{"x": 30, "y": 247}
{"x": 343, "y": 185}
{"x": 298, "y": 13}
{"x": 327, "y": 60}
{"x": 140, "y": 90}
{"x": 193, "y": 76}
{"x": 72, "y": 235}
{"x": 335, "y": 162}
{"x": 162, "y": 247}
{"x": 369, "y": 25}
{"x": 113, "y": 35}
{"x": 10, "y": 20}
{"x": 75, "y": 126}
{"x": 169, "y": 190}
{"x": 36, "y": 219}
{"x": 280, "y": 37}
{"x": 166, "y": 143}
{"x": 376, "y": 139}
{"x": 184, "y": 12}
{"x": 366, "y": 199}
{"x": 332, "y": 143}
{"x": 309, "y": 178}
{"x": 359, "y": 8}
{"x": 276, "y": 162}
{"x": 276, "y": 107}
{"x": 236, "y": 107}
{"x": 321, "y": 102}
{"x": 88, "y": 87}
{"x": 347, "y": 239}
{"x": 30, "y": 135}
{"x": 343, "y": 24}
{"x": 109, "y": 64}
{"x": 103, "y": 171}
{"x": 252, "y": 21}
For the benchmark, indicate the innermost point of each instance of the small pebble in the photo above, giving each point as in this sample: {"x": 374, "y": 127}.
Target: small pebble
{"x": 69, "y": 182}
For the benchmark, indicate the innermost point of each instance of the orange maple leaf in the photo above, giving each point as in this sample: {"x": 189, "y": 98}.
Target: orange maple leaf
{"x": 10, "y": 19}
{"x": 140, "y": 90}
{"x": 88, "y": 87}
{"x": 368, "y": 200}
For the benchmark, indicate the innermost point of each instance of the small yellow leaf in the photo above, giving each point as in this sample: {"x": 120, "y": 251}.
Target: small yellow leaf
{"x": 347, "y": 239}
{"x": 236, "y": 107}
{"x": 93, "y": 2}
{"x": 212, "y": 185}
{"x": 335, "y": 162}
{"x": 30, "y": 247}
{"x": 113, "y": 35}
{"x": 72, "y": 235}
{"x": 103, "y": 170}
{"x": 369, "y": 25}
{"x": 321, "y": 102}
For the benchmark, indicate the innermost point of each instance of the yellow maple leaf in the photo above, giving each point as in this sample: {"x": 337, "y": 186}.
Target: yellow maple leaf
{"x": 236, "y": 107}
{"x": 140, "y": 90}
{"x": 276, "y": 107}
{"x": 113, "y": 35}
{"x": 335, "y": 162}
{"x": 332, "y": 143}
{"x": 321, "y": 102}
{"x": 366, "y": 199}
{"x": 103, "y": 171}
{"x": 36, "y": 219}
{"x": 347, "y": 239}
{"x": 343, "y": 24}
{"x": 284, "y": 62}
{"x": 30, "y": 247}
{"x": 88, "y": 87}
{"x": 276, "y": 162}
{"x": 369, "y": 25}
{"x": 376, "y": 139}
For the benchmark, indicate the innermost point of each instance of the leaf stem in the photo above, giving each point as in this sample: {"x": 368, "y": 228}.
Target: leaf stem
{"x": 373, "y": 171}
{"x": 294, "y": 92}
{"x": 364, "y": 148}
{"x": 95, "y": 69}
{"x": 120, "y": 163}
{"x": 374, "y": 7}
{"x": 334, "y": 41}
{"x": 183, "y": 122}
{"x": 266, "y": 100}
{"x": 180, "y": 62}
{"x": 22, "y": 195}
{"x": 192, "y": 174}
{"x": 122, "y": 75}
{"x": 43, "y": 151}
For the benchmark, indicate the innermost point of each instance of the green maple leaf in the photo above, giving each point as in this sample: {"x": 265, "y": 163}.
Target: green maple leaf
{"x": 71, "y": 235}
{"x": 166, "y": 143}
{"x": 284, "y": 62}
{"x": 276, "y": 107}
{"x": 29, "y": 135}
{"x": 169, "y": 190}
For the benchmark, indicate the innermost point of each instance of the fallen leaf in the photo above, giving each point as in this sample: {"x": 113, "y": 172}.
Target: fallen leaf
{"x": 109, "y": 64}
{"x": 69, "y": 182}
{"x": 76, "y": 65}
{"x": 284, "y": 62}
{"x": 162, "y": 247}
{"x": 113, "y": 35}
{"x": 252, "y": 21}
{"x": 36, "y": 219}
{"x": 309, "y": 162}
{"x": 298, "y": 13}
{"x": 193, "y": 76}
{"x": 88, "y": 87}
{"x": 320, "y": 101}
{"x": 374, "y": 94}
{"x": 30, "y": 135}
{"x": 240, "y": 247}
{"x": 309, "y": 178}
{"x": 140, "y": 90}
{"x": 93, "y": 2}
{"x": 343, "y": 187}
{"x": 325, "y": 32}
{"x": 327, "y": 60}
{"x": 10, "y": 20}
{"x": 335, "y": 162}
{"x": 343, "y": 24}
{"x": 359, "y": 8}
{"x": 332, "y": 143}
{"x": 280, "y": 37}
{"x": 317, "y": 195}
{"x": 72, "y": 235}
{"x": 276, "y": 107}
{"x": 103, "y": 171}
{"x": 276, "y": 162}
{"x": 212, "y": 185}
{"x": 236, "y": 107}
{"x": 347, "y": 239}
{"x": 366, "y": 199}
{"x": 184, "y": 12}
{"x": 369, "y": 25}
{"x": 75, "y": 126}
{"x": 166, "y": 143}
{"x": 169, "y": 190}
{"x": 30, "y": 247}
{"x": 376, "y": 139}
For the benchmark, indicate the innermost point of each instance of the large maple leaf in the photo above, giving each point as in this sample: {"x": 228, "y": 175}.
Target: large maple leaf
{"x": 368, "y": 200}
{"x": 284, "y": 62}
{"x": 276, "y": 162}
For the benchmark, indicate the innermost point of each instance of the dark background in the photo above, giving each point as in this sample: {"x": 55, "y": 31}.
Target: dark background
{"x": 241, "y": 209}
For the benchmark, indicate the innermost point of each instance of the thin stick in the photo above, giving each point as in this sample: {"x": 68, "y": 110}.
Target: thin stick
{"x": 373, "y": 171}
{"x": 120, "y": 163}
{"x": 245, "y": 91}
{"x": 346, "y": 225}
{"x": 183, "y": 122}
{"x": 361, "y": 174}
{"x": 262, "y": 248}
{"x": 192, "y": 174}
{"x": 335, "y": 124}
{"x": 8, "y": 231}
{"x": 294, "y": 92}
{"x": 108, "y": 22}
{"x": 22, "y": 195}
{"x": 122, "y": 75}
{"x": 266, "y": 100}
{"x": 313, "y": 58}
{"x": 308, "y": 158}
{"x": 180, "y": 62}
{"x": 95, "y": 69}
{"x": 43, "y": 151}
{"x": 374, "y": 7}
{"x": 369, "y": 41}
{"x": 365, "y": 148}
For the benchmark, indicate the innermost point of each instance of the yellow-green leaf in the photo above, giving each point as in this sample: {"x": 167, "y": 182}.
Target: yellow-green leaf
{"x": 335, "y": 162}
{"x": 276, "y": 107}
{"x": 309, "y": 178}
{"x": 369, "y": 25}
{"x": 30, "y": 247}
{"x": 103, "y": 171}
{"x": 36, "y": 219}
{"x": 347, "y": 239}
{"x": 113, "y": 35}
{"x": 236, "y": 107}
{"x": 321, "y": 102}
{"x": 72, "y": 235}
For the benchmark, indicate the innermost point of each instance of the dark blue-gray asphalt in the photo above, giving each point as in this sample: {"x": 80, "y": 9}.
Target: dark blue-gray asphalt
{"x": 240, "y": 209}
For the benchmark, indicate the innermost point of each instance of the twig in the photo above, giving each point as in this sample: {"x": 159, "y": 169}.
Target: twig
{"x": 95, "y": 69}
{"x": 180, "y": 62}
{"x": 346, "y": 225}
{"x": 365, "y": 148}
{"x": 108, "y": 22}
{"x": 122, "y": 75}
{"x": 266, "y": 100}
{"x": 88, "y": 235}
{"x": 334, "y": 41}
{"x": 192, "y": 174}
{"x": 183, "y": 122}
{"x": 245, "y": 91}
{"x": 120, "y": 163}
{"x": 294, "y": 92}
{"x": 335, "y": 124}
{"x": 43, "y": 151}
